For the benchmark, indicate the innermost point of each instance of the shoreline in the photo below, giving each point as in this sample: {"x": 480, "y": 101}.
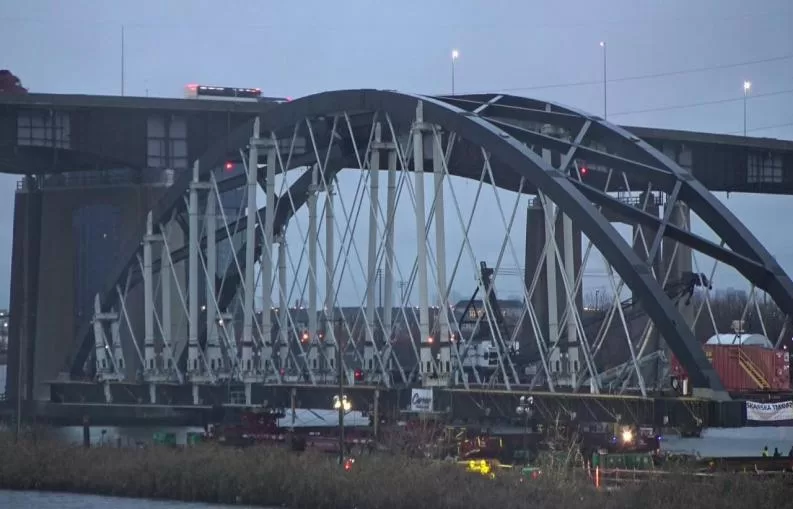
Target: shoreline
{"x": 269, "y": 477}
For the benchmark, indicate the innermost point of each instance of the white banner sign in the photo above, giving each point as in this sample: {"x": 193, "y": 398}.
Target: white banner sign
{"x": 421, "y": 400}
{"x": 769, "y": 412}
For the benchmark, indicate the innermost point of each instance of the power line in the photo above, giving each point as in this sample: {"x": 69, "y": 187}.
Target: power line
{"x": 674, "y": 106}
{"x": 678, "y": 72}
{"x": 765, "y": 127}
{"x": 702, "y": 103}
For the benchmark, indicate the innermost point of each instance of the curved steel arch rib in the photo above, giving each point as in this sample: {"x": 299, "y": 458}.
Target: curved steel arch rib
{"x": 747, "y": 253}
{"x": 514, "y": 158}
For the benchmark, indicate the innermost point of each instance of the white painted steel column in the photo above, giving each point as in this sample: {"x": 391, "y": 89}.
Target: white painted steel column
{"x": 371, "y": 287}
{"x": 166, "y": 274}
{"x": 192, "y": 276}
{"x": 283, "y": 343}
{"x": 549, "y": 210}
{"x": 250, "y": 241}
{"x": 149, "y": 354}
{"x": 313, "y": 348}
{"x": 213, "y": 343}
{"x": 573, "y": 362}
{"x": 330, "y": 251}
{"x": 266, "y": 260}
{"x": 118, "y": 349}
{"x": 418, "y": 170}
{"x": 388, "y": 283}
{"x": 438, "y": 162}
{"x": 100, "y": 344}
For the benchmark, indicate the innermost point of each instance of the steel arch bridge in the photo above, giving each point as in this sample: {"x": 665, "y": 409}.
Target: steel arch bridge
{"x": 199, "y": 326}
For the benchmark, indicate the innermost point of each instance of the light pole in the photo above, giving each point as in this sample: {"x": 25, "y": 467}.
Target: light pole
{"x": 605, "y": 96}
{"x": 747, "y": 85}
{"x": 340, "y": 402}
{"x": 455, "y": 56}
{"x": 526, "y": 409}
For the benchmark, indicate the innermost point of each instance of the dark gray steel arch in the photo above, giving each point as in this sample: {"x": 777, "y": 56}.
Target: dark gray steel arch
{"x": 513, "y": 154}
{"x": 746, "y": 254}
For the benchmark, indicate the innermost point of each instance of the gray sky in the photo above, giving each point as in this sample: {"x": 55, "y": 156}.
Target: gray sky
{"x": 298, "y": 48}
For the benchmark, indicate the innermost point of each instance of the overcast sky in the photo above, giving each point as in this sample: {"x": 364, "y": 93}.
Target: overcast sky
{"x": 302, "y": 47}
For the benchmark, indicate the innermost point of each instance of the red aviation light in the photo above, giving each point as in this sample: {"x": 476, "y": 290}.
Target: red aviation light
{"x": 229, "y": 166}
{"x": 584, "y": 170}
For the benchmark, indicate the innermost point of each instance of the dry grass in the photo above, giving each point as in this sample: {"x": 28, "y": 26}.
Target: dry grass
{"x": 272, "y": 477}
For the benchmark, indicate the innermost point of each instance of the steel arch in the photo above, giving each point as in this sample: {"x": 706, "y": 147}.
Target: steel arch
{"x": 515, "y": 155}
{"x": 747, "y": 254}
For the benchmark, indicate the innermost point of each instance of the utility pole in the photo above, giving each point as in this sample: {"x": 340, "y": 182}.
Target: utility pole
{"x": 339, "y": 373}
{"x": 402, "y": 286}
{"x": 122, "y": 60}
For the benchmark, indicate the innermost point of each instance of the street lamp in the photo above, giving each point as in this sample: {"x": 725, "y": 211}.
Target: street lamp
{"x": 455, "y": 56}
{"x": 747, "y": 85}
{"x": 605, "y": 101}
{"x": 525, "y": 409}
{"x": 342, "y": 404}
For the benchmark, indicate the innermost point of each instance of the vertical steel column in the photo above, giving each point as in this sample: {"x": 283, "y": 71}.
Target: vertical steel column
{"x": 166, "y": 273}
{"x": 192, "y": 276}
{"x": 374, "y": 203}
{"x": 330, "y": 305}
{"x": 549, "y": 209}
{"x": 213, "y": 344}
{"x": 313, "y": 345}
{"x": 266, "y": 260}
{"x": 283, "y": 329}
{"x": 118, "y": 349}
{"x": 250, "y": 244}
{"x": 100, "y": 344}
{"x": 148, "y": 298}
{"x": 572, "y": 359}
{"x": 418, "y": 170}
{"x": 388, "y": 302}
{"x": 438, "y": 161}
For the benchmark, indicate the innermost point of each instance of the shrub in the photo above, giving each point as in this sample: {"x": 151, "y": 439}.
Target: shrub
{"x": 277, "y": 477}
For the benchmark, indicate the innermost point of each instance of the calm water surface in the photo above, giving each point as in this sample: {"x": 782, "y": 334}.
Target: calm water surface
{"x": 46, "y": 500}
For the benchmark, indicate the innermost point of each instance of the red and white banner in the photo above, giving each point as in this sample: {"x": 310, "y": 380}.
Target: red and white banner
{"x": 769, "y": 412}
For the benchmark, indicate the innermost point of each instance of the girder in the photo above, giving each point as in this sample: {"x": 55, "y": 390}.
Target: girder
{"x": 506, "y": 128}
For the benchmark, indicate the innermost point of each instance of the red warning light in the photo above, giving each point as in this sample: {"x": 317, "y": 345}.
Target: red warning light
{"x": 229, "y": 166}
{"x": 584, "y": 170}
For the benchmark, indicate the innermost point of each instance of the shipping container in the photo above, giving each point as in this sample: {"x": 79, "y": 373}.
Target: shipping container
{"x": 745, "y": 368}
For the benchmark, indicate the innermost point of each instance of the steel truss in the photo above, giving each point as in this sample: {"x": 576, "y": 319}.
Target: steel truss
{"x": 199, "y": 319}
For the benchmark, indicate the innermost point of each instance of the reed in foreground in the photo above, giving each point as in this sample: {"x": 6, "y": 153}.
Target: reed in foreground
{"x": 269, "y": 477}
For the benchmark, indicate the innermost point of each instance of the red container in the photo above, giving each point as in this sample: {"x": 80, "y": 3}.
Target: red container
{"x": 745, "y": 368}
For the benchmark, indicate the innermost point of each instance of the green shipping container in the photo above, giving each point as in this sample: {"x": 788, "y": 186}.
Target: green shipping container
{"x": 194, "y": 438}
{"x": 163, "y": 438}
{"x": 638, "y": 461}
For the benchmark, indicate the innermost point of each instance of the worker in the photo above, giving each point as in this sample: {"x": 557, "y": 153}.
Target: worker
{"x": 777, "y": 454}
{"x": 765, "y": 452}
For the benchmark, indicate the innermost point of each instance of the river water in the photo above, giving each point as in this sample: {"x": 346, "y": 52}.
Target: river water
{"x": 46, "y": 500}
